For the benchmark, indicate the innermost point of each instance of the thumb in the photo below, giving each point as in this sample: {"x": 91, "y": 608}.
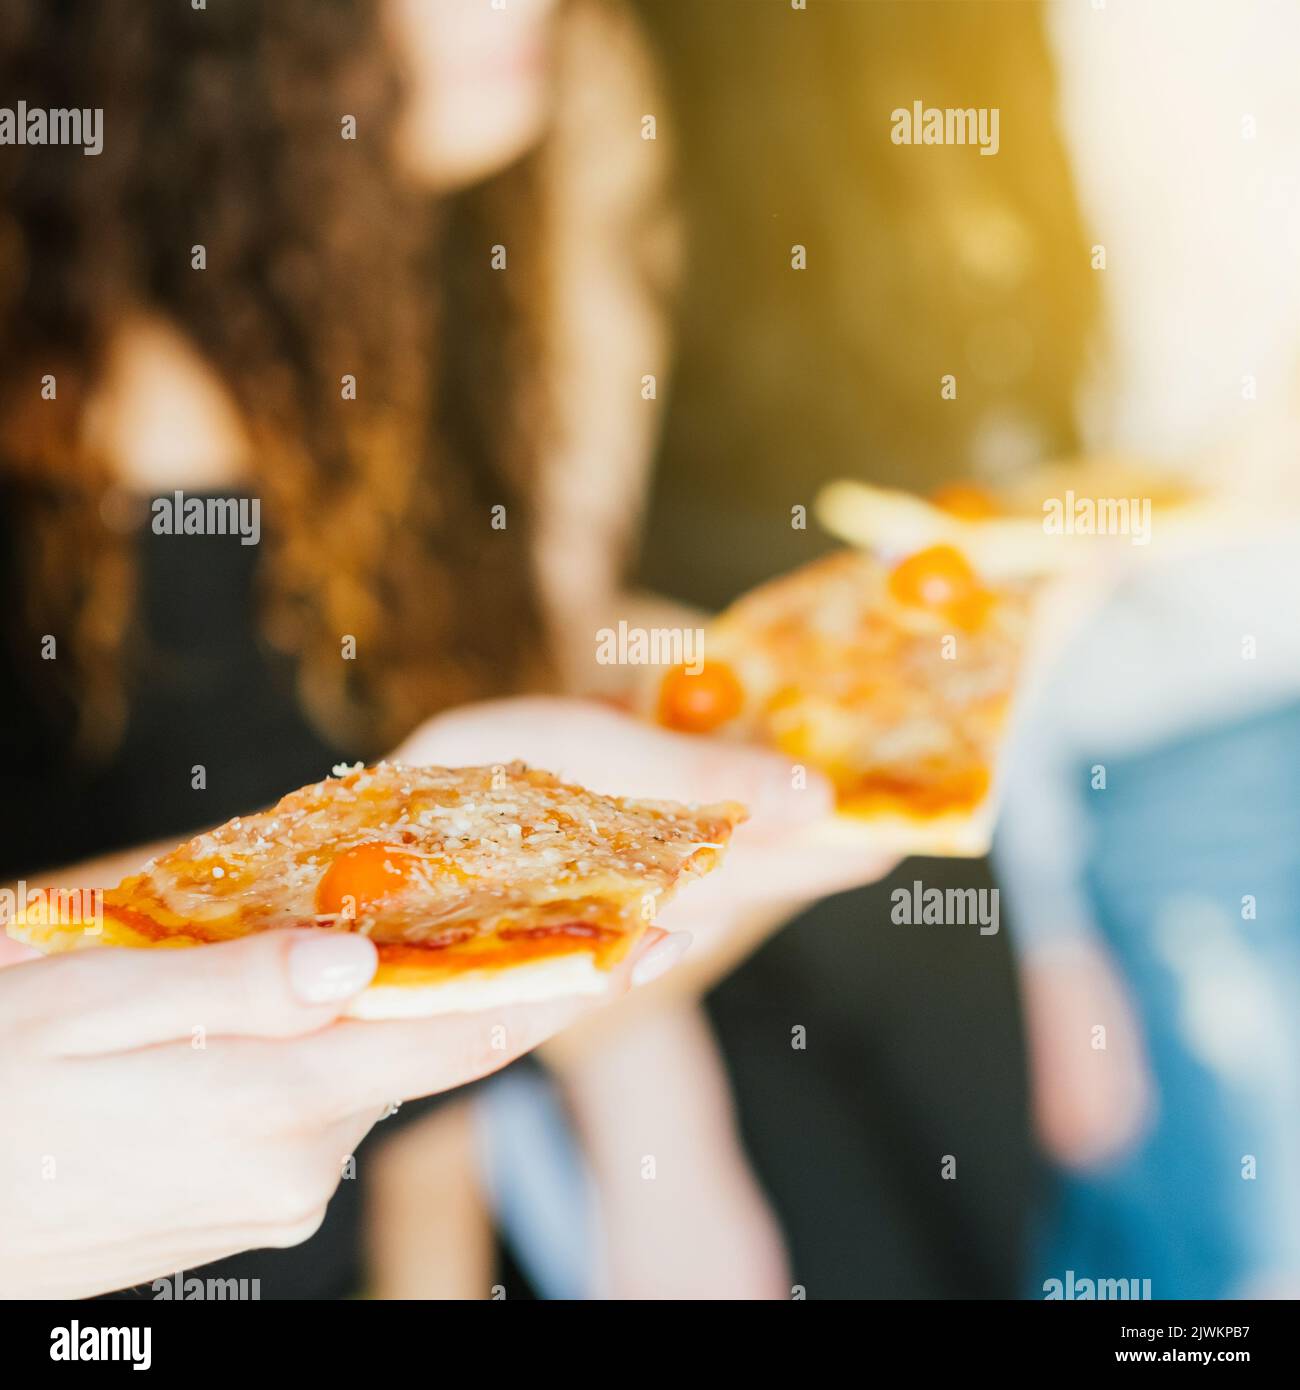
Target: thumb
{"x": 271, "y": 984}
{"x": 779, "y": 794}
{"x": 11, "y": 951}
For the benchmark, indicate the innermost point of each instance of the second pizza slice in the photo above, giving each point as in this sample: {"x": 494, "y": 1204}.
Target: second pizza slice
{"x": 894, "y": 678}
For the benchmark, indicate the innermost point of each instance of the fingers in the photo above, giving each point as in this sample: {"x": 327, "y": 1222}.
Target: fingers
{"x": 274, "y": 984}
{"x": 348, "y": 1074}
{"x": 369, "y": 1063}
{"x": 780, "y": 796}
{"x": 754, "y": 873}
{"x": 613, "y": 753}
{"x": 346, "y": 1134}
{"x": 360, "y": 1065}
{"x": 14, "y": 952}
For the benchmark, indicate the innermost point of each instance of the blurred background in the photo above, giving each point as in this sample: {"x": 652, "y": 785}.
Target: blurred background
{"x": 556, "y": 252}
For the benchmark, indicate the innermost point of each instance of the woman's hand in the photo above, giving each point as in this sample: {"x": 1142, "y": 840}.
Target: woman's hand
{"x": 166, "y": 1108}
{"x": 772, "y": 869}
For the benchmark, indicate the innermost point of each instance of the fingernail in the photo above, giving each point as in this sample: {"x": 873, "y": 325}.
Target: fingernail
{"x": 331, "y": 966}
{"x": 660, "y": 958}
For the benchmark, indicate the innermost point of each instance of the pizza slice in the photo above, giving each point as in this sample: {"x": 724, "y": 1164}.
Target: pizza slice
{"x": 893, "y": 678}
{"x": 480, "y": 886}
{"x": 1048, "y": 520}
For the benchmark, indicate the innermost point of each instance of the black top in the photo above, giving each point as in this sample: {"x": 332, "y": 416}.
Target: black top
{"x": 202, "y": 689}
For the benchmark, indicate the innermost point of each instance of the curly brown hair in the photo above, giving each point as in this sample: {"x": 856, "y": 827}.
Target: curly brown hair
{"x": 222, "y": 128}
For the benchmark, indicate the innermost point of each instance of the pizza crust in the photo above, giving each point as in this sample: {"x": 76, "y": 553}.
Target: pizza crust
{"x": 559, "y": 977}
{"x": 1014, "y": 543}
{"x": 897, "y": 523}
{"x": 955, "y": 835}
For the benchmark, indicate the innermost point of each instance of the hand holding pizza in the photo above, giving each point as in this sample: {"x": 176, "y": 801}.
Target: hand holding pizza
{"x": 175, "y": 1106}
{"x": 167, "y": 1108}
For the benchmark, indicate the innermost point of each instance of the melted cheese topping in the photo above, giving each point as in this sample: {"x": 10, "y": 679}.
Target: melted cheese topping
{"x": 839, "y": 673}
{"x": 485, "y": 866}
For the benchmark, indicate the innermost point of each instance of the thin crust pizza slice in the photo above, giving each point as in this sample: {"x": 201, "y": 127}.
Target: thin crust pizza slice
{"x": 893, "y": 679}
{"x": 480, "y": 886}
{"x": 1050, "y": 520}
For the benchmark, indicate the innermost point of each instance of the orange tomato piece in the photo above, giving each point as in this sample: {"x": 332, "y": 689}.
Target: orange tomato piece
{"x": 934, "y": 578}
{"x": 363, "y": 876}
{"x": 700, "y": 703}
{"x": 964, "y": 500}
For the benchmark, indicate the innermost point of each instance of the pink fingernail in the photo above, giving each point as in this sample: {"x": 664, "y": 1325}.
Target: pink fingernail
{"x": 331, "y": 966}
{"x": 660, "y": 958}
